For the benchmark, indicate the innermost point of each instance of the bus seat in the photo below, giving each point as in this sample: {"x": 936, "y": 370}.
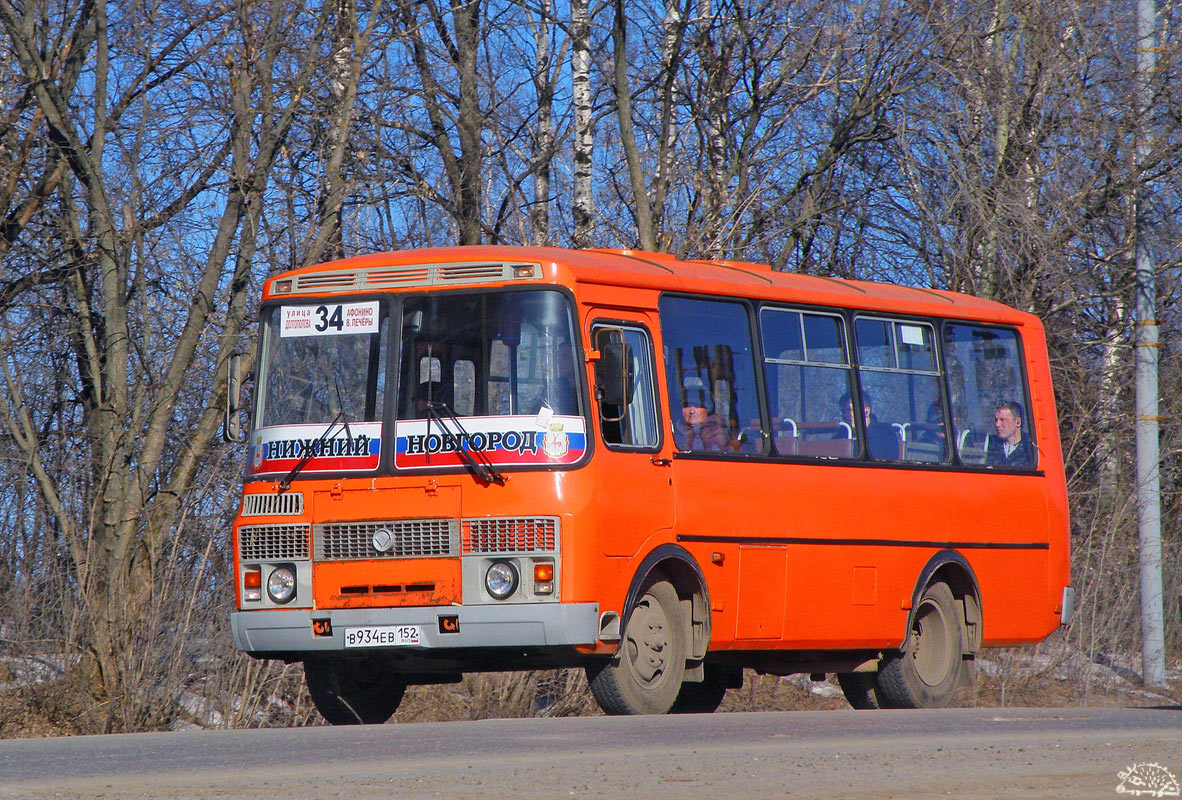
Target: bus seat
{"x": 750, "y": 439}
{"x": 970, "y": 452}
{"x": 922, "y": 451}
{"x": 826, "y": 448}
{"x": 823, "y": 430}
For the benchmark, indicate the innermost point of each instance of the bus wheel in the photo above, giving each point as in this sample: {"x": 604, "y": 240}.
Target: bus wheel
{"x": 644, "y": 677}
{"x": 859, "y": 689}
{"x": 927, "y": 671}
{"x": 705, "y": 697}
{"x": 348, "y": 691}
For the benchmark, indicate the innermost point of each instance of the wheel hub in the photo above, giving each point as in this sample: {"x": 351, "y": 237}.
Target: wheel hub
{"x": 648, "y": 640}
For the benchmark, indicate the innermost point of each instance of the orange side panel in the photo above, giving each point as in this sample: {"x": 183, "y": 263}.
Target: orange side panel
{"x": 762, "y": 571}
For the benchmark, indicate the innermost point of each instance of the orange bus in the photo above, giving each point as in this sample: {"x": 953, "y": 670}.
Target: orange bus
{"x": 662, "y": 471}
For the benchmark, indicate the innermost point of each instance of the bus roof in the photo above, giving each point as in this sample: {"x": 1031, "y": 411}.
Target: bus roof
{"x": 482, "y": 264}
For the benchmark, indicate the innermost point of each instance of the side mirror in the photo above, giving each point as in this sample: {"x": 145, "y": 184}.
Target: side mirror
{"x": 232, "y": 424}
{"x": 615, "y": 374}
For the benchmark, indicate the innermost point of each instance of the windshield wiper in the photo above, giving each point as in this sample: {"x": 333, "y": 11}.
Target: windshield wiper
{"x": 341, "y": 403}
{"x": 477, "y": 462}
{"x": 285, "y": 484}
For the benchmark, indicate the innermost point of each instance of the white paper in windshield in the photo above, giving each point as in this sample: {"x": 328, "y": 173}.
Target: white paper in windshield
{"x": 329, "y": 319}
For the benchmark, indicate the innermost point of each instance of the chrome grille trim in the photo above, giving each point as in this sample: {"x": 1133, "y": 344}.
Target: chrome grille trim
{"x": 271, "y": 505}
{"x": 415, "y": 275}
{"x": 272, "y": 542}
{"x": 510, "y": 535}
{"x": 411, "y": 538}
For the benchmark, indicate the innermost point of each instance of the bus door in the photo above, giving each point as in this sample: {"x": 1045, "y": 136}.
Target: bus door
{"x": 635, "y": 481}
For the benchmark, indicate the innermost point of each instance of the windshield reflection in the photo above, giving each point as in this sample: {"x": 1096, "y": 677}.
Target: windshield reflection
{"x": 488, "y": 355}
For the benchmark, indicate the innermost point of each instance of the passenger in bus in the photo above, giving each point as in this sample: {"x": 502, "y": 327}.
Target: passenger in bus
{"x": 881, "y": 440}
{"x": 1009, "y": 448}
{"x": 698, "y": 429}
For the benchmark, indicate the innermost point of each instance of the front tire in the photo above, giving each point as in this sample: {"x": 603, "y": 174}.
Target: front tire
{"x": 645, "y": 676}
{"x": 353, "y": 691}
{"x": 928, "y": 670}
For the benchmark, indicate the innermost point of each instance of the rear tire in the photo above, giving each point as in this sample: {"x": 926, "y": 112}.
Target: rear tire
{"x": 705, "y": 697}
{"x": 929, "y": 668}
{"x": 859, "y": 689}
{"x": 645, "y": 676}
{"x": 348, "y": 691}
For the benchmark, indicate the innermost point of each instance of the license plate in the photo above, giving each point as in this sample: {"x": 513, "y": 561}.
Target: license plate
{"x": 384, "y": 636}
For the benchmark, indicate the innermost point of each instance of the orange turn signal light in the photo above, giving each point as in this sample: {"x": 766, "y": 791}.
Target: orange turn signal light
{"x": 252, "y": 579}
{"x": 543, "y": 572}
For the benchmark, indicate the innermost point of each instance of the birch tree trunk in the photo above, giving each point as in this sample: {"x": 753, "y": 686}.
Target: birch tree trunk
{"x": 349, "y": 48}
{"x": 582, "y": 201}
{"x": 543, "y": 79}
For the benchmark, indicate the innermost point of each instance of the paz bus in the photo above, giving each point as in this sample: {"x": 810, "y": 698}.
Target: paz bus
{"x": 662, "y": 471}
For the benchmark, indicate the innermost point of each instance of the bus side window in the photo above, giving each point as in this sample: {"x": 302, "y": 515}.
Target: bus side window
{"x": 634, "y": 424}
{"x": 900, "y": 379}
{"x": 710, "y": 372}
{"x": 985, "y": 373}
{"x": 807, "y": 374}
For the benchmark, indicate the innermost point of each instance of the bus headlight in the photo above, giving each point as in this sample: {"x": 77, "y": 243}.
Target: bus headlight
{"x": 281, "y": 585}
{"x": 501, "y": 579}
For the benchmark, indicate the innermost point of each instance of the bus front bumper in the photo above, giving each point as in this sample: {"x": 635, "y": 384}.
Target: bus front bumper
{"x": 438, "y": 627}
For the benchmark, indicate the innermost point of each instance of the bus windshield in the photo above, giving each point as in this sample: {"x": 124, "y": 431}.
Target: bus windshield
{"x": 491, "y": 374}
{"x": 321, "y": 362}
{"x": 502, "y": 354}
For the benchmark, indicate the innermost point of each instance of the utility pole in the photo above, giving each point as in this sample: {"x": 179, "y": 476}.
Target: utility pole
{"x": 1145, "y": 358}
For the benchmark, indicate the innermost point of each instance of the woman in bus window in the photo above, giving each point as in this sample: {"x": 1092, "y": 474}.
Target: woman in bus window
{"x": 698, "y": 429}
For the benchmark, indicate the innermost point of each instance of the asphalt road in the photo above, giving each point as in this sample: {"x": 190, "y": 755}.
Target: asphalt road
{"x": 963, "y": 753}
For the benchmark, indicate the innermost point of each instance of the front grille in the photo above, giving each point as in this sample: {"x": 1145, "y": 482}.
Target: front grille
{"x": 471, "y": 273}
{"x": 268, "y": 505}
{"x": 322, "y": 281}
{"x": 403, "y": 538}
{"x": 272, "y": 542}
{"x": 399, "y": 276}
{"x": 511, "y": 535}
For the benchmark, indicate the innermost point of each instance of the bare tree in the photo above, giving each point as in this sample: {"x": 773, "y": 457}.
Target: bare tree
{"x": 155, "y": 163}
{"x": 545, "y": 81}
{"x": 350, "y": 47}
{"x": 445, "y": 57}
{"x": 583, "y": 204}
{"x": 138, "y": 331}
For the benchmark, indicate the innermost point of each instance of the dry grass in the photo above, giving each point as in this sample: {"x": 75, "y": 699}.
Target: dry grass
{"x": 258, "y": 694}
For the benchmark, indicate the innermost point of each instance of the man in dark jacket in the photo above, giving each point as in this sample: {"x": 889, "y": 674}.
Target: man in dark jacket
{"x": 1009, "y": 448}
